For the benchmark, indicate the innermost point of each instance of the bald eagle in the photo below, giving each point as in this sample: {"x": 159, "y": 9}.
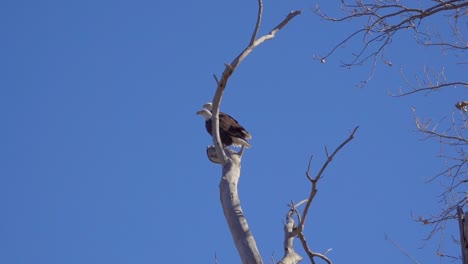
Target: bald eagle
{"x": 230, "y": 131}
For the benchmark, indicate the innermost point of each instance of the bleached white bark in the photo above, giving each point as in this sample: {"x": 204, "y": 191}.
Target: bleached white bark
{"x": 243, "y": 238}
{"x": 231, "y": 161}
{"x": 290, "y": 255}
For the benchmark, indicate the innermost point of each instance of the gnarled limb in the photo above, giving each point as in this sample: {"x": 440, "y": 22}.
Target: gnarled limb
{"x": 290, "y": 255}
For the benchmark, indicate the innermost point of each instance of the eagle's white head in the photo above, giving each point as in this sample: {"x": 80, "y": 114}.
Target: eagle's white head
{"x": 206, "y": 111}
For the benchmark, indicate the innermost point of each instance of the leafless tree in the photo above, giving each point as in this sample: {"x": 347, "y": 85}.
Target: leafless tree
{"x": 231, "y": 164}
{"x": 381, "y": 21}
{"x": 454, "y": 178}
{"x": 384, "y": 19}
{"x": 230, "y": 160}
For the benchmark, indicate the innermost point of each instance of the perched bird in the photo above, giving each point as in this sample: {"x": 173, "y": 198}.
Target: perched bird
{"x": 230, "y": 131}
{"x": 462, "y": 106}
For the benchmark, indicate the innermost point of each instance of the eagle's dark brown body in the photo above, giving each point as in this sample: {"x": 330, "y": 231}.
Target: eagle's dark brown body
{"x": 230, "y": 131}
{"x": 229, "y": 128}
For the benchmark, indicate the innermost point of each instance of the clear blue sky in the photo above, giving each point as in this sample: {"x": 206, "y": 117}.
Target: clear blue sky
{"x": 102, "y": 158}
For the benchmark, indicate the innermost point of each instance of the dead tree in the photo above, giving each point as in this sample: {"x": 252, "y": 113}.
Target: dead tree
{"x": 381, "y": 21}
{"x": 231, "y": 167}
{"x": 230, "y": 160}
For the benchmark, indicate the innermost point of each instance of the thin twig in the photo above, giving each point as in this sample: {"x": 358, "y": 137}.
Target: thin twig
{"x": 383, "y": 19}
{"x": 431, "y": 88}
{"x": 401, "y": 249}
{"x": 319, "y": 175}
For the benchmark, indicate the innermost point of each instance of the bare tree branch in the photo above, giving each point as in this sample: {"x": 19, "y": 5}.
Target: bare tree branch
{"x": 230, "y": 161}
{"x": 291, "y": 230}
{"x": 310, "y": 253}
{"x": 384, "y": 18}
{"x": 381, "y": 21}
{"x": 432, "y": 81}
{"x": 430, "y": 88}
{"x": 424, "y": 127}
{"x": 402, "y": 250}
{"x": 312, "y": 194}
{"x": 229, "y": 70}
{"x": 453, "y": 179}
{"x": 257, "y": 25}
{"x": 313, "y": 191}
{"x": 439, "y": 221}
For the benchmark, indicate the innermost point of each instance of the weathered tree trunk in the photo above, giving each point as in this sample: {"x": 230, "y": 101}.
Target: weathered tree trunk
{"x": 463, "y": 233}
{"x": 243, "y": 238}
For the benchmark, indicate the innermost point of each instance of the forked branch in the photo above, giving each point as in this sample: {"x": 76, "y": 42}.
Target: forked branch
{"x": 230, "y": 161}
{"x": 383, "y": 19}
{"x": 230, "y": 68}
{"x": 314, "y": 181}
{"x": 291, "y": 230}
{"x": 453, "y": 178}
